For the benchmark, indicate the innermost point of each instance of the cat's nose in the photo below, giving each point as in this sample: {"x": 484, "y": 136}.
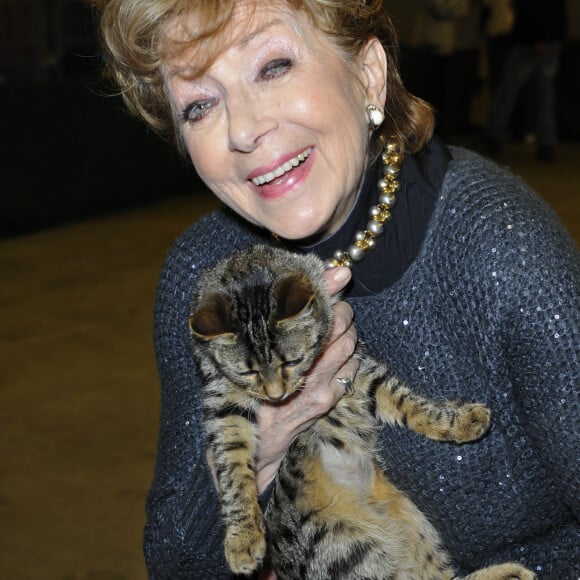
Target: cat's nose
{"x": 275, "y": 390}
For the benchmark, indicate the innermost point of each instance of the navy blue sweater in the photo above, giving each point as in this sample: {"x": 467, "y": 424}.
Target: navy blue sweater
{"x": 488, "y": 311}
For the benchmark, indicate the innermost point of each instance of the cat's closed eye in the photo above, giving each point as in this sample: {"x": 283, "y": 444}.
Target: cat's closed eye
{"x": 292, "y": 363}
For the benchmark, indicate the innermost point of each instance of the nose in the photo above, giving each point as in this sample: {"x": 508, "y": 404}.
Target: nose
{"x": 248, "y": 122}
{"x": 274, "y": 384}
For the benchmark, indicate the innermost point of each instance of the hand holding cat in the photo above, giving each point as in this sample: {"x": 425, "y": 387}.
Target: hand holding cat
{"x": 280, "y": 424}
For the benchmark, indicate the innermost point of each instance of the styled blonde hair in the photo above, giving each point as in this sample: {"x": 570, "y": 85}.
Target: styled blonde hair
{"x": 133, "y": 35}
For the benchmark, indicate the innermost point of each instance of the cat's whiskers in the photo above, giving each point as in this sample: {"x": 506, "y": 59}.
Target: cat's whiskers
{"x": 257, "y": 395}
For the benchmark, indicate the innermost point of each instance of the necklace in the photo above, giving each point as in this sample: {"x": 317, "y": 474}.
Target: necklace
{"x": 379, "y": 214}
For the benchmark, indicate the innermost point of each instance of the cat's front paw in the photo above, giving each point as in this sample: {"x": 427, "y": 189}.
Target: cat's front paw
{"x": 245, "y": 549}
{"x": 472, "y": 422}
{"x": 511, "y": 571}
{"x": 507, "y": 571}
{"x": 520, "y": 574}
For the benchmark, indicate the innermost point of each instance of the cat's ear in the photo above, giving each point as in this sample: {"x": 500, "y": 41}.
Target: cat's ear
{"x": 294, "y": 296}
{"x": 211, "y": 319}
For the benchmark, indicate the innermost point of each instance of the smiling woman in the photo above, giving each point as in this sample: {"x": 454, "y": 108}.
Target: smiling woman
{"x": 226, "y": 73}
{"x": 260, "y": 112}
{"x": 294, "y": 115}
{"x": 134, "y": 33}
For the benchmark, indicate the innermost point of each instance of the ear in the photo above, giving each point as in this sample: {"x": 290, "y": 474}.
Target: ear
{"x": 294, "y": 296}
{"x": 374, "y": 72}
{"x": 210, "y": 320}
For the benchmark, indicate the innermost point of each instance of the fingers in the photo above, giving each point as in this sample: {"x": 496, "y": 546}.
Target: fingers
{"x": 337, "y": 361}
{"x": 345, "y": 377}
{"x": 335, "y": 383}
{"x": 343, "y": 330}
{"x": 343, "y": 323}
{"x": 336, "y": 279}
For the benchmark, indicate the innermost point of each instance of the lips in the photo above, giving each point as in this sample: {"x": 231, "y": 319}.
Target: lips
{"x": 278, "y": 172}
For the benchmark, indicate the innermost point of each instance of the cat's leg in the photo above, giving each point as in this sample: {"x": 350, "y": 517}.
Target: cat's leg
{"x": 339, "y": 534}
{"x": 508, "y": 571}
{"x": 423, "y": 556}
{"x": 233, "y": 443}
{"x": 324, "y": 530}
{"x": 439, "y": 420}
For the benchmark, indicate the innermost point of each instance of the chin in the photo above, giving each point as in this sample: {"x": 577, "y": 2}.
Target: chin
{"x": 302, "y": 239}
{"x": 303, "y": 234}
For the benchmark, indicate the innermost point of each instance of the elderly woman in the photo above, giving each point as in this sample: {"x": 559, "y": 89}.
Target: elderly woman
{"x": 469, "y": 291}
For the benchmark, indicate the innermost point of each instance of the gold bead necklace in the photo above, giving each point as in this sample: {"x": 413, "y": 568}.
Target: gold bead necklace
{"x": 379, "y": 214}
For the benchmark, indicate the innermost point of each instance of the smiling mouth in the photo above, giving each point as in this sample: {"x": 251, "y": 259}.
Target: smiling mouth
{"x": 284, "y": 168}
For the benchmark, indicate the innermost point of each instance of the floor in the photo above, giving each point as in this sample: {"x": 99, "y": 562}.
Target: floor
{"x": 78, "y": 386}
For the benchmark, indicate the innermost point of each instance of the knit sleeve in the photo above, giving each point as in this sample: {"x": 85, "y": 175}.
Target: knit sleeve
{"x": 540, "y": 312}
{"x": 528, "y": 271}
{"x": 523, "y": 274}
{"x": 183, "y": 534}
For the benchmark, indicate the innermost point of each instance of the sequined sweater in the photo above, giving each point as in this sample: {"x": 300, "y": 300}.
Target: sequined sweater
{"x": 488, "y": 311}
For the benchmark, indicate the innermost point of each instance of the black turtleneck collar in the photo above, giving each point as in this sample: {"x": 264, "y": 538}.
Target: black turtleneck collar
{"x": 421, "y": 178}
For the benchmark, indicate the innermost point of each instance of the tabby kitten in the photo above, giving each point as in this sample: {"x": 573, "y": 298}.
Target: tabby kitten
{"x": 259, "y": 321}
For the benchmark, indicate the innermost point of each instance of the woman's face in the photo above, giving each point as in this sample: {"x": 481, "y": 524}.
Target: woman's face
{"x": 276, "y": 127}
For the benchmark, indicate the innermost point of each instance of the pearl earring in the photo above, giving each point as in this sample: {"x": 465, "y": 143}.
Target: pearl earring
{"x": 375, "y": 117}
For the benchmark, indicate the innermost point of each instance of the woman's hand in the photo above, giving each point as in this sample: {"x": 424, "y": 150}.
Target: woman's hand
{"x": 280, "y": 424}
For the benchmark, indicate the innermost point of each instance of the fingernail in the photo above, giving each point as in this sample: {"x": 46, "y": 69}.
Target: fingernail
{"x": 341, "y": 274}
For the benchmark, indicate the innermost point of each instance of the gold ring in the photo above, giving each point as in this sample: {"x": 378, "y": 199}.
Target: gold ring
{"x": 348, "y": 386}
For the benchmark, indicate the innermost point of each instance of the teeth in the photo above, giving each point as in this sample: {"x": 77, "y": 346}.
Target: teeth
{"x": 271, "y": 175}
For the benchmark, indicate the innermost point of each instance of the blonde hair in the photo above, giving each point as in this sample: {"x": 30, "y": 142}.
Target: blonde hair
{"x": 133, "y": 35}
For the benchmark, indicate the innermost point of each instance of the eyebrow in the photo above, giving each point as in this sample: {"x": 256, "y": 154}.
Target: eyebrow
{"x": 244, "y": 40}
{"x": 241, "y": 42}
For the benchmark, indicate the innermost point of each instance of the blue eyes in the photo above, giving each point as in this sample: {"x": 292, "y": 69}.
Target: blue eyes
{"x": 197, "y": 110}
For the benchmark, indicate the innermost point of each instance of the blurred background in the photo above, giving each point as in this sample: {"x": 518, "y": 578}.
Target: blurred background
{"x": 90, "y": 201}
